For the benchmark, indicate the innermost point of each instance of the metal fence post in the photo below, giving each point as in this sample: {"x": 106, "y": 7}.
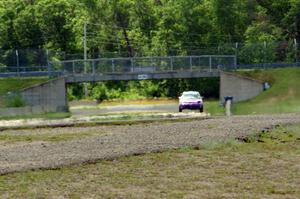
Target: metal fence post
{"x": 210, "y": 64}
{"x": 236, "y": 54}
{"x": 113, "y": 65}
{"x": 235, "y": 62}
{"x": 171, "y": 63}
{"x": 48, "y": 69}
{"x": 152, "y": 63}
{"x": 18, "y": 63}
{"x": 191, "y": 63}
{"x": 47, "y": 56}
{"x": 73, "y": 67}
{"x": 132, "y": 64}
{"x": 265, "y": 54}
{"x": 296, "y": 51}
{"x": 48, "y": 63}
{"x": 93, "y": 66}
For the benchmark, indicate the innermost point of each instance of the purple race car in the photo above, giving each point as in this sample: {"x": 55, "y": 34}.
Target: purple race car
{"x": 190, "y": 100}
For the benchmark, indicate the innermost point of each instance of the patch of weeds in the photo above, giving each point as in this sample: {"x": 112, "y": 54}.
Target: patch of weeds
{"x": 185, "y": 149}
{"x": 15, "y": 101}
{"x": 212, "y": 126}
{"x": 248, "y": 139}
{"x": 221, "y": 144}
{"x": 280, "y": 134}
{"x": 169, "y": 116}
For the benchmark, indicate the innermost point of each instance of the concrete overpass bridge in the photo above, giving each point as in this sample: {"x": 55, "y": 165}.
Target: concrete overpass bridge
{"x": 140, "y": 68}
{"x": 135, "y": 68}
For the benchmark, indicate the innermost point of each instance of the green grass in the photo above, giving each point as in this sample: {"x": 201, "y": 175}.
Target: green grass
{"x": 282, "y": 97}
{"x": 15, "y": 84}
{"x": 54, "y": 115}
{"x": 266, "y": 167}
{"x": 214, "y": 108}
{"x": 9, "y": 138}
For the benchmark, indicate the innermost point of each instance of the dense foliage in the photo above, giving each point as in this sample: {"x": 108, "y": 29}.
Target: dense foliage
{"x": 134, "y": 27}
{"x": 128, "y": 90}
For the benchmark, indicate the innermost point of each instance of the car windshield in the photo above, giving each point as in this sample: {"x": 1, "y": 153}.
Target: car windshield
{"x": 191, "y": 95}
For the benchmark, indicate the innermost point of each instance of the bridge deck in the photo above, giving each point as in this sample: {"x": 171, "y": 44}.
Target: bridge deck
{"x": 76, "y": 78}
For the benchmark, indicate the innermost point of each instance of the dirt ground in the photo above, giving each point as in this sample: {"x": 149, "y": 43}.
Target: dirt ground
{"x": 109, "y": 142}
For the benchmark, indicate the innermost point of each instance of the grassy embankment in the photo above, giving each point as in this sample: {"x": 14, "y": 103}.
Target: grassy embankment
{"x": 266, "y": 166}
{"x": 282, "y": 97}
{"x": 16, "y": 84}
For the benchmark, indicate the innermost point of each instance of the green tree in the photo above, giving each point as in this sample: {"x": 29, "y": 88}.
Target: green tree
{"x": 9, "y": 11}
{"x": 261, "y": 40}
{"x": 58, "y": 20}
{"x": 230, "y": 19}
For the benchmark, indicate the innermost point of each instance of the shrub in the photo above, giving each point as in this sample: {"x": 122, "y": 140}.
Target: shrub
{"x": 100, "y": 93}
{"x": 15, "y": 101}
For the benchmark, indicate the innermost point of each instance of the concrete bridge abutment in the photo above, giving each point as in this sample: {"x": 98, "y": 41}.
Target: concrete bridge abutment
{"x": 51, "y": 96}
{"x": 239, "y": 87}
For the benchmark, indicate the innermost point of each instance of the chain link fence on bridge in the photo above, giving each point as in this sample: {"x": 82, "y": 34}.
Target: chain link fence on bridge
{"x": 146, "y": 64}
{"x": 30, "y": 62}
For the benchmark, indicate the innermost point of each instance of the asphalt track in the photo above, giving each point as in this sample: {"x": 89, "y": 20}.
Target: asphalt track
{"x": 95, "y": 110}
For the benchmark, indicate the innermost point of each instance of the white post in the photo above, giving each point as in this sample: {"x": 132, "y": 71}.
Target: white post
{"x": 228, "y": 107}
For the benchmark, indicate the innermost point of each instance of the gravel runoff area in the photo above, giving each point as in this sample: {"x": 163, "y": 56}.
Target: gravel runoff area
{"x": 77, "y": 120}
{"x": 124, "y": 140}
